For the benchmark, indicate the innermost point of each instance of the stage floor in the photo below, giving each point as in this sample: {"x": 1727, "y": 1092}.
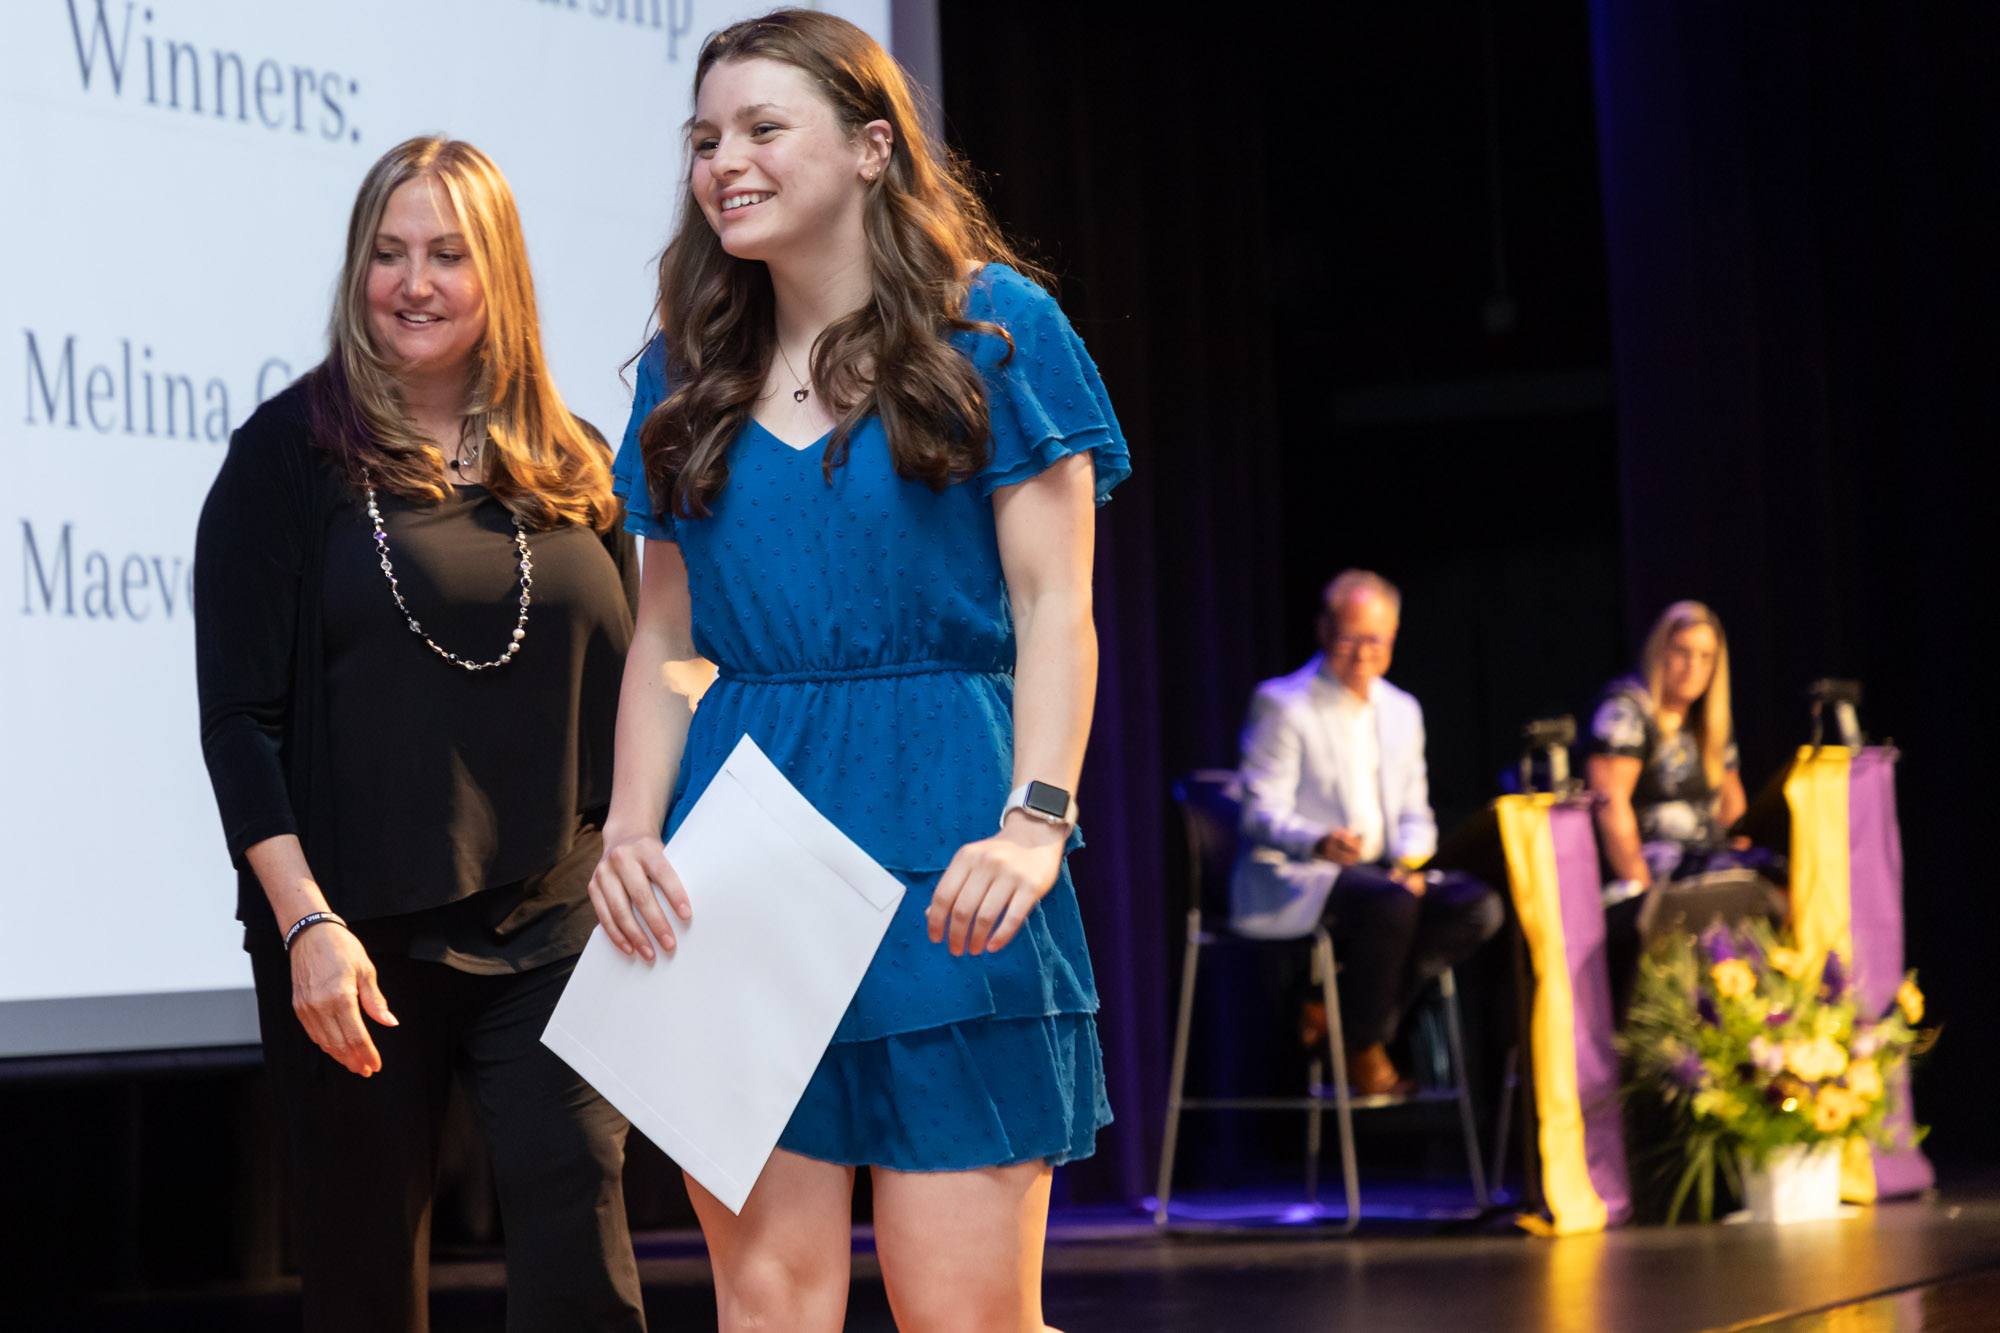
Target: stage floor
{"x": 1930, "y": 1265}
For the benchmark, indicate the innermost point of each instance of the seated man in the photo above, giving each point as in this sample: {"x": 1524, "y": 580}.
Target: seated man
{"x": 1337, "y": 825}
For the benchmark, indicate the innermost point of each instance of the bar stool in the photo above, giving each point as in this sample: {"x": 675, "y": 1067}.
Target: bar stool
{"x": 1209, "y": 802}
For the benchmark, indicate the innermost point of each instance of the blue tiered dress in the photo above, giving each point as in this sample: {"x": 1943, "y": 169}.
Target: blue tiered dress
{"x": 862, "y": 637}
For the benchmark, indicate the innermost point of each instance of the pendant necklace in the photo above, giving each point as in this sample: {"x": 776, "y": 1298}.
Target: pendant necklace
{"x": 465, "y": 462}
{"x": 798, "y": 394}
{"x": 525, "y": 564}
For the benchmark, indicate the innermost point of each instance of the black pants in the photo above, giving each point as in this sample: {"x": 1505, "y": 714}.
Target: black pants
{"x": 364, "y": 1152}
{"x": 1391, "y": 943}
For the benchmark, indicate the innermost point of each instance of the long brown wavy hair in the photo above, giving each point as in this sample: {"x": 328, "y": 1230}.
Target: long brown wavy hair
{"x": 1708, "y": 717}
{"x": 927, "y": 231}
{"x": 542, "y": 463}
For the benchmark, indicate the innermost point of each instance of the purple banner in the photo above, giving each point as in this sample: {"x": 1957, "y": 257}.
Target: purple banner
{"x": 1875, "y": 898}
{"x": 1580, "y": 888}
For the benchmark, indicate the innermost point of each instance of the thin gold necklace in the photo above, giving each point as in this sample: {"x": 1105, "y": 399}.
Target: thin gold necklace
{"x": 798, "y": 394}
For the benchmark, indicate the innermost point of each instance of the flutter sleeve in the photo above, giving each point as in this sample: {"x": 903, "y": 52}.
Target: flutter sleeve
{"x": 628, "y": 468}
{"x": 1047, "y": 400}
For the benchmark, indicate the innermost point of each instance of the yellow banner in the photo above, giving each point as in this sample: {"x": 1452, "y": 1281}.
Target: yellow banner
{"x": 1531, "y": 872}
{"x": 1822, "y": 904}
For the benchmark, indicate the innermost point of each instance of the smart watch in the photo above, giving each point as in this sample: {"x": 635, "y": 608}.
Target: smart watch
{"x": 1051, "y": 805}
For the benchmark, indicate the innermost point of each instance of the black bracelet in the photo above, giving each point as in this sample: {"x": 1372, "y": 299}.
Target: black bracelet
{"x": 311, "y": 919}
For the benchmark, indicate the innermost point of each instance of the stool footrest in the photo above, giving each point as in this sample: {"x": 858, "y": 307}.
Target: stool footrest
{"x": 1421, "y": 1096}
{"x": 1257, "y": 1103}
{"x": 1320, "y": 1097}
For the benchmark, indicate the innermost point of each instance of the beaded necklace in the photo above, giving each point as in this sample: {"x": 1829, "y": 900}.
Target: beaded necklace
{"x": 526, "y": 566}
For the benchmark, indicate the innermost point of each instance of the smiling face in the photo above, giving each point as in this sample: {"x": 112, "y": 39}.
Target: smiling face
{"x": 775, "y": 173}
{"x": 1359, "y": 637}
{"x": 426, "y": 305}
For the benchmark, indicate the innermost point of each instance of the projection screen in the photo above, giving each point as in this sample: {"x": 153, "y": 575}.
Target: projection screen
{"x": 178, "y": 178}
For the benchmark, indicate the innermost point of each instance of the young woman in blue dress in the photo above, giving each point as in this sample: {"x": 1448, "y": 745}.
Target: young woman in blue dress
{"x": 865, "y": 454}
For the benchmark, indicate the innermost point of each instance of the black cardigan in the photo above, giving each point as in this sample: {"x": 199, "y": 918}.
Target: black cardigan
{"x": 259, "y": 642}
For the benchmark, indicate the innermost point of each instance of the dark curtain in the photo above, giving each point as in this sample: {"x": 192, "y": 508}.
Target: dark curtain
{"x": 1285, "y": 247}
{"x": 1801, "y": 203}
{"x": 1170, "y": 298}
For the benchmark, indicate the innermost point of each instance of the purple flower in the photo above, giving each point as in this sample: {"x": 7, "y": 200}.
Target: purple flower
{"x": 1720, "y": 943}
{"x": 1832, "y": 979}
{"x": 1704, "y": 1007}
{"x": 1777, "y": 1018}
{"x": 1688, "y": 1070}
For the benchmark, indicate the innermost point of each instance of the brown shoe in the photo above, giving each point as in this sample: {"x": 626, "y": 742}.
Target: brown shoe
{"x": 1370, "y": 1074}
{"x": 1312, "y": 1026}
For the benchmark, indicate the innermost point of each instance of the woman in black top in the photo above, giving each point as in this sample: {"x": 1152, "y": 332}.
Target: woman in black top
{"x": 412, "y": 608}
{"x": 1663, "y": 755}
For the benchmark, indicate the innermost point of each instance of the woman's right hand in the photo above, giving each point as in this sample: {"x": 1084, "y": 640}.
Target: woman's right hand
{"x": 622, "y": 891}
{"x": 333, "y": 985}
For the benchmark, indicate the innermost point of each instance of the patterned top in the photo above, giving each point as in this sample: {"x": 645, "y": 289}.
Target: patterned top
{"x": 1673, "y": 799}
{"x": 863, "y": 638}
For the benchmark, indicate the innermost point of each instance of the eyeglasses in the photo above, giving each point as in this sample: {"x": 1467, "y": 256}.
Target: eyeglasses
{"x": 1354, "y": 643}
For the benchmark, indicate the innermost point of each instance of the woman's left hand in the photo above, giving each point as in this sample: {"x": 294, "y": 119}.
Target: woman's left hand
{"x": 991, "y": 885}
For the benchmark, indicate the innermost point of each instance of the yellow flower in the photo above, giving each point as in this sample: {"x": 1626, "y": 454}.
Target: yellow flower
{"x": 1815, "y": 1060}
{"x": 1789, "y": 961}
{"x": 1832, "y": 1109}
{"x": 1864, "y": 1079}
{"x": 1733, "y": 978}
{"x": 1721, "y": 1105}
{"x": 1912, "y": 1001}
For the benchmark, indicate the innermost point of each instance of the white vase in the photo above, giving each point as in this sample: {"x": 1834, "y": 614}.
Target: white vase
{"x": 1798, "y": 1183}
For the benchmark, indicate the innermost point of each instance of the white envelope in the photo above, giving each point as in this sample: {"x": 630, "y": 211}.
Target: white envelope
{"x": 708, "y": 1050}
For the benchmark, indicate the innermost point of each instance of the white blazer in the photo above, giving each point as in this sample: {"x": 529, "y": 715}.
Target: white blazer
{"x": 1292, "y": 798}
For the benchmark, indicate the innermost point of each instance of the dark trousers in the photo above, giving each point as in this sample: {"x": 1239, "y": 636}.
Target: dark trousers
{"x": 364, "y": 1152}
{"x": 1391, "y": 943}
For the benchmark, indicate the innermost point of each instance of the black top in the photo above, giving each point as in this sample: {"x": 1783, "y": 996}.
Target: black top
{"x": 1673, "y": 799}
{"x": 458, "y": 810}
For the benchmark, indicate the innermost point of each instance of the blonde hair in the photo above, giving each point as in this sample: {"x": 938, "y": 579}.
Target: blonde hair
{"x": 1708, "y": 717}
{"x": 543, "y": 464}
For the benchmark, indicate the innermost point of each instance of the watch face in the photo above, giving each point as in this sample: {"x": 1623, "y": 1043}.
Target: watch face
{"x": 1047, "y": 800}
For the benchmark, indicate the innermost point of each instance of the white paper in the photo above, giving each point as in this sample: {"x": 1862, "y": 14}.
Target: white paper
{"x": 707, "y": 1050}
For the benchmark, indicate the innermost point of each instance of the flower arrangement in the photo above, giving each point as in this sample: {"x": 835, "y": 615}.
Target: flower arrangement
{"x": 1753, "y": 1047}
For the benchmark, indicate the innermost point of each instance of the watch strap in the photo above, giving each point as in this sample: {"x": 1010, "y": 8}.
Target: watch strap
{"x": 1040, "y": 800}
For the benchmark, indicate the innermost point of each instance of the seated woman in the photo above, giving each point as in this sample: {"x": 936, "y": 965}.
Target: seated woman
{"x": 1663, "y": 763}
{"x": 1664, "y": 754}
